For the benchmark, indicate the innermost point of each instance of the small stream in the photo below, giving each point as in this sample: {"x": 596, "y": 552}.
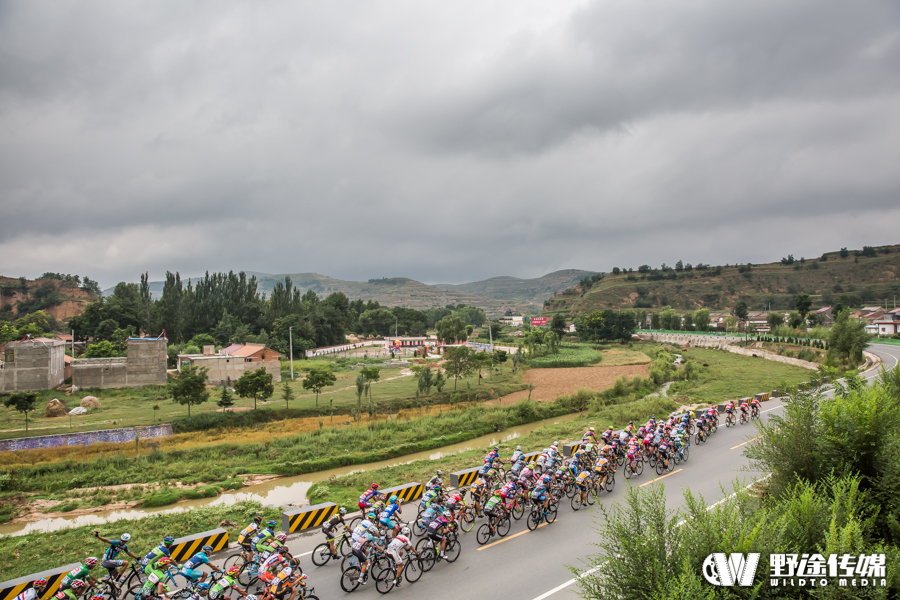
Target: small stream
{"x": 278, "y": 492}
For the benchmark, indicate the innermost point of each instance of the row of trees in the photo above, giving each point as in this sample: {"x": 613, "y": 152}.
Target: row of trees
{"x": 608, "y": 325}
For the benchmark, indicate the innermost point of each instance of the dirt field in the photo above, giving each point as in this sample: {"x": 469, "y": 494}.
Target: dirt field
{"x": 550, "y": 383}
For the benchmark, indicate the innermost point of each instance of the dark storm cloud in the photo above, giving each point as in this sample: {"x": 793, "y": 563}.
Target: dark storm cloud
{"x": 444, "y": 142}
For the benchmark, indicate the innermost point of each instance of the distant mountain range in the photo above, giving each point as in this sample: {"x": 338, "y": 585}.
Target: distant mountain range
{"x": 495, "y": 296}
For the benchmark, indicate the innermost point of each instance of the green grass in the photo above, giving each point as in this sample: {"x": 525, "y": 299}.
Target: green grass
{"x": 732, "y": 376}
{"x": 569, "y": 355}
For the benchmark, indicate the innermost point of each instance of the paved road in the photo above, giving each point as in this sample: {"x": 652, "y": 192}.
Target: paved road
{"x": 532, "y": 565}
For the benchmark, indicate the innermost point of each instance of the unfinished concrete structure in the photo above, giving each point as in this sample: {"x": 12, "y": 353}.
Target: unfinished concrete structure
{"x": 145, "y": 364}
{"x": 31, "y": 365}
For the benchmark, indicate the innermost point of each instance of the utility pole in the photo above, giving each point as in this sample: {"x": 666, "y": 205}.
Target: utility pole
{"x": 291, "y": 340}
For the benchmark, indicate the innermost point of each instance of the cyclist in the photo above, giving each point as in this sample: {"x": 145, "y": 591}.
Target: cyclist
{"x": 260, "y": 540}
{"x": 398, "y": 548}
{"x": 580, "y": 482}
{"x": 553, "y": 460}
{"x": 428, "y": 515}
{"x": 542, "y": 459}
{"x": 227, "y": 581}
{"x": 517, "y": 466}
{"x": 631, "y": 451}
{"x": 602, "y": 466}
{"x": 247, "y": 534}
{"x": 729, "y": 408}
{"x": 35, "y": 591}
{"x": 493, "y": 455}
{"x": 754, "y": 406}
{"x": 508, "y": 491}
{"x": 477, "y": 490}
{"x": 608, "y": 435}
{"x": 366, "y": 526}
{"x": 156, "y": 577}
{"x": 437, "y": 528}
{"x": 527, "y": 472}
{"x": 663, "y": 452}
{"x": 282, "y": 585}
{"x": 190, "y": 570}
{"x": 542, "y": 493}
{"x": 200, "y": 591}
{"x": 76, "y": 587}
{"x": 109, "y": 561}
{"x": 494, "y": 508}
{"x": 164, "y": 550}
{"x": 387, "y": 515}
{"x": 435, "y": 481}
{"x": 432, "y": 495}
{"x": 588, "y": 436}
{"x": 454, "y": 503}
{"x": 368, "y": 497}
{"x": 517, "y": 454}
{"x": 359, "y": 550}
{"x": 330, "y": 528}
{"x": 270, "y": 546}
{"x": 82, "y": 572}
{"x": 276, "y": 561}
{"x": 744, "y": 407}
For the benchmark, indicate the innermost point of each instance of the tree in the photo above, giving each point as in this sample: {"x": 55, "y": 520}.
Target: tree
{"x": 654, "y": 321}
{"x": 795, "y": 320}
{"x": 360, "y": 390}
{"x": 451, "y": 329}
{"x": 379, "y": 321}
{"x": 256, "y": 384}
{"x": 482, "y": 361}
{"x": 104, "y": 349}
{"x": 775, "y": 319}
{"x": 740, "y": 310}
{"x": 426, "y": 379}
{"x": 644, "y": 269}
{"x": 440, "y": 381}
{"x": 226, "y": 400}
{"x": 616, "y": 270}
{"x": 669, "y": 319}
{"x": 459, "y": 363}
{"x": 803, "y": 303}
{"x": 844, "y": 253}
{"x": 318, "y": 378}
{"x": 731, "y": 323}
{"x": 688, "y": 321}
{"x": 558, "y": 324}
{"x": 22, "y": 402}
{"x": 496, "y": 329}
{"x": 701, "y": 319}
{"x": 287, "y": 393}
{"x": 848, "y": 339}
{"x": 202, "y": 339}
{"x": 372, "y": 374}
{"x": 679, "y": 266}
{"x": 189, "y": 388}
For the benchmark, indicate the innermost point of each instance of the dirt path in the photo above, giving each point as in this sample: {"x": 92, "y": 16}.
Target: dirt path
{"x": 551, "y": 383}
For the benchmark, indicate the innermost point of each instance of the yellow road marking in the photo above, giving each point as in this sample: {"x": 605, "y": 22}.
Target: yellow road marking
{"x": 745, "y": 443}
{"x": 663, "y": 477}
{"x": 506, "y": 539}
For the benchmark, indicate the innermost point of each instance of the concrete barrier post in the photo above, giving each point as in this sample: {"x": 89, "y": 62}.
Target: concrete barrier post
{"x": 187, "y": 546}
{"x": 12, "y": 588}
{"x": 406, "y": 492}
{"x": 307, "y": 517}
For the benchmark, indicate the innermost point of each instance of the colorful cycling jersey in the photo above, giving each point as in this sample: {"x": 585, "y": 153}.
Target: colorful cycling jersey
{"x": 79, "y": 572}
{"x": 517, "y": 455}
{"x": 272, "y": 561}
{"x": 247, "y": 531}
{"x": 743, "y": 406}
{"x": 220, "y": 587}
{"x": 115, "y": 546}
{"x": 427, "y": 516}
{"x": 399, "y": 544}
{"x": 262, "y": 536}
{"x": 333, "y": 522}
{"x": 508, "y": 490}
{"x": 368, "y": 495}
{"x": 436, "y": 525}
{"x": 582, "y": 477}
{"x": 490, "y": 456}
{"x": 285, "y": 573}
{"x": 365, "y": 526}
{"x": 478, "y": 484}
{"x": 196, "y": 561}
{"x": 526, "y": 473}
{"x": 65, "y": 595}
{"x": 156, "y": 554}
{"x": 492, "y": 503}
{"x": 429, "y": 497}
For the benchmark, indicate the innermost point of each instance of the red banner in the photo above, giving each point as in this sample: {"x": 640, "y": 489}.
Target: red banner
{"x": 539, "y": 321}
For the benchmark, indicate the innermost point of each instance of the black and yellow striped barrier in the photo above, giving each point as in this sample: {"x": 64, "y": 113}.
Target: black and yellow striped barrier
{"x": 763, "y": 396}
{"x": 12, "y": 588}
{"x": 186, "y": 547}
{"x": 307, "y": 517}
{"x": 463, "y": 478}
{"x": 406, "y": 492}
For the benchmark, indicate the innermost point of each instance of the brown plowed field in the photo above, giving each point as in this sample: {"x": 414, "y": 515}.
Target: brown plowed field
{"x": 551, "y": 383}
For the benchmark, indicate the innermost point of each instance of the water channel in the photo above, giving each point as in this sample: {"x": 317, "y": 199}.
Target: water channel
{"x": 278, "y": 492}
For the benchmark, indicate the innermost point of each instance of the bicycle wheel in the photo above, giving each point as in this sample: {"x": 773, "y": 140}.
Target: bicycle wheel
{"x": 429, "y": 557}
{"x": 321, "y": 555}
{"x": 685, "y": 452}
{"x": 640, "y": 468}
{"x": 570, "y": 489}
{"x": 551, "y": 514}
{"x": 467, "y": 523}
{"x": 452, "y": 550}
{"x": 715, "y": 425}
{"x": 237, "y": 560}
{"x": 413, "y": 569}
{"x": 503, "y": 526}
{"x": 628, "y": 471}
{"x": 698, "y": 439}
{"x": 350, "y": 579}
{"x": 383, "y": 572}
{"x": 743, "y": 419}
{"x": 345, "y": 547}
{"x": 534, "y": 519}
{"x": 518, "y": 509}
{"x": 249, "y": 574}
{"x": 349, "y": 561}
{"x": 418, "y": 529}
{"x": 354, "y": 522}
{"x": 135, "y": 591}
{"x": 610, "y": 482}
{"x": 483, "y": 535}
{"x": 660, "y": 467}
{"x": 576, "y": 503}
{"x": 652, "y": 459}
{"x": 593, "y": 492}
{"x": 621, "y": 460}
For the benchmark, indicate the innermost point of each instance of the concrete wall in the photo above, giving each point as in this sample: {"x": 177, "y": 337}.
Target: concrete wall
{"x": 721, "y": 343}
{"x": 37, "y": 365}
{"x": 223, "y": 367}
{"x": 144, "y": 365}
{"x": 116, "y": 436}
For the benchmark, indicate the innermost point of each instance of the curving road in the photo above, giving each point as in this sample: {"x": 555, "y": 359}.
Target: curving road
{"x": 531, "y": 565}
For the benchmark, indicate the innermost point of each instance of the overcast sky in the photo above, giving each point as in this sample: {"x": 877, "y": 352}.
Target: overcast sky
{"x": 443, "y": 141}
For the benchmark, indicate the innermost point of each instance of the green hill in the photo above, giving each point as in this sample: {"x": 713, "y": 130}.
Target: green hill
{"x": 856, "y": 280}
{"x": 523, "y": 291}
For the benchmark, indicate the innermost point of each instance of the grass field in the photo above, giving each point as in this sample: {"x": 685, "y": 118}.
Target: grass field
{"x": 131, "y": 407}
{"x": 732, "y": 376}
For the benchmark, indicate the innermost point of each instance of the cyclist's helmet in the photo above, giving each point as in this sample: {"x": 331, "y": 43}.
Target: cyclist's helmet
{"x": 393, "y": 499}
{"x": 258, "y": 519}
{"x": 531, "y": 465}
{"x": 405, "y": 531}
{"x": 271, "y": 524}
{"x": 590, "y": 428}
{"x": 447, "y": 514}
{"x": 39, "y": 583}
{"x": 374, "y": 486}
{"x": 97, "y": 597}
{"x": 125, "y": 537}
{"x": 439, "y": 472}
{"x": 207, "y": 548}
{"x": 168, "y": 540}
{"x": 437, "y": 489}
{"x": 203, "y": 587}
{"x": 165, "y": 561}
{"x": 78, "y": 584}
{"x": 281, "y": 537}
{"x": 497, "y": 448}
{"x": 233, "y": 570}
{"x": 519, "y": 448}
{"x": 342, "y": 511}
{"x": 91, "y": 561}
{"x": 371, "y": 515}
{"x": 284, "y": 550}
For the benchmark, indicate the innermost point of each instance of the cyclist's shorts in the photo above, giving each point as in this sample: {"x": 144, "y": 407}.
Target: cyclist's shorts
{"x": 542, "y": 495}
{"x": 436, "y": 537}
{"x": 191, "y": 574}
{"x": 387, "y": 523}
{"x": 396, "y": 555}
{"x": 112, "y": 564}
{"x": 328, "y": 531}
{"x": 363, "y": 505}
{"x": 360, "y": 555}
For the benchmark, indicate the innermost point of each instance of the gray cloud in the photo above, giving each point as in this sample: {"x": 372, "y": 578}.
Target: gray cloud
{"x": 442, "y": 142}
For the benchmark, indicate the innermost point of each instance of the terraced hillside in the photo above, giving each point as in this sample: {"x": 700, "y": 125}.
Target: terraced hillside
{"x": 853, "y": 279}
{"x": 525, "y": 291}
